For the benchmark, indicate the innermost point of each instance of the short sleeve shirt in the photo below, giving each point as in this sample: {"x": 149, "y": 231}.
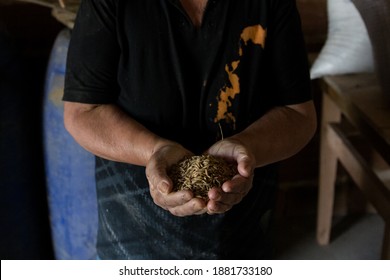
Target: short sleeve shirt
{"x": 185, "y": 83}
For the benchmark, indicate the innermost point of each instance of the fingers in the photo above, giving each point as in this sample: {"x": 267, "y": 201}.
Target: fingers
{"x": 159, "y": 163}
{"x": 158, "y": 178}
{"x": 180, "y": 203}
{"x": 195, "y": 206}
{"x": 183, "y": 203}
{"x": 172, "y": 199}
{"x": 235, "y": 151}
{"x": 231, "y": 193}
{"x": 245, "y": 165}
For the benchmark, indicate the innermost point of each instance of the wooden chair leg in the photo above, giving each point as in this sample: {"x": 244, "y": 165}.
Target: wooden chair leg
{"x": 328, "y": 172}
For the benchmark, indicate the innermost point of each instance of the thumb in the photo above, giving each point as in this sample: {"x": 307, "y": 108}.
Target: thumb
{"x": 164, "y": 186}
{"x": 157, "y": 176}
{"x": 161, "y": 178}
{"x": 244, "y": 165}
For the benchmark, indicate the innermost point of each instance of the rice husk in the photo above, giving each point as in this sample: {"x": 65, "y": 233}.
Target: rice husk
{"x": 199, "y": 174}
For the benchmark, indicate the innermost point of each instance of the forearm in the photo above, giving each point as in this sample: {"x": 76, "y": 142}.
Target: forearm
{"x": 106, "y": 131}
{"x": 280, "y": 133}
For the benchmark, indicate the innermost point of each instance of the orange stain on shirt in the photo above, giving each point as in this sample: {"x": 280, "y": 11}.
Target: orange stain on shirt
{"x": 256, "y": 34}
{"x": 228, "y": 93}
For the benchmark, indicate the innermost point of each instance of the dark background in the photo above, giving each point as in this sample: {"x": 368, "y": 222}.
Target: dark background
{"x": 27, "y": 33}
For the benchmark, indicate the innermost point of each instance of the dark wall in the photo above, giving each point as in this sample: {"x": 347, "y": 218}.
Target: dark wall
{"x": 27, "y": 33}
{"x": 302, "y": 169}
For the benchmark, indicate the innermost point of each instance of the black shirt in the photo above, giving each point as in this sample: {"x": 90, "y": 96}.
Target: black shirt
{"x": 181, "y": 82}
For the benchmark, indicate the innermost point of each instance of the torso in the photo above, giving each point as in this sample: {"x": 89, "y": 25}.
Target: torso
{"x": 156, "y": 87}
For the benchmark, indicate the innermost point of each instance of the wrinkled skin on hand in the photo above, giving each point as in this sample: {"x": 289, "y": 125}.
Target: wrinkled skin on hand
{"x": 233, "y": 191}
{"x": 183, "y": 203}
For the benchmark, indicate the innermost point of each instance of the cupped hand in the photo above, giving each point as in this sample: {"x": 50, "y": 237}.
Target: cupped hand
{"x": 232, "y": 191}
{"x": 181, "y": 203}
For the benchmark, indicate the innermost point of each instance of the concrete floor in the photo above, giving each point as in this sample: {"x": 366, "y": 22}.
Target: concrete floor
{"x": 354, "y": 237}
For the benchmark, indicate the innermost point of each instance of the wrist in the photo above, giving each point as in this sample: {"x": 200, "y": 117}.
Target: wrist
{"x": 161, "y": 143}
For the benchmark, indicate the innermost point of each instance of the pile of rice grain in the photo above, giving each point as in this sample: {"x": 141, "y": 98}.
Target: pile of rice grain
{"x": 201, "y": 173}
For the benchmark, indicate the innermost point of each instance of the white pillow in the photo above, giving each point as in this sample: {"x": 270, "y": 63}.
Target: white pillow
{"x": 347, "y": 48}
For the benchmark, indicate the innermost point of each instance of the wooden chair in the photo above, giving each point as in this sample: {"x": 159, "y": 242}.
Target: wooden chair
{"x": 356, "y": 98}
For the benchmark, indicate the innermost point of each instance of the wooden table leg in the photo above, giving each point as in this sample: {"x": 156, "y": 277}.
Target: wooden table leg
{"x": 328, "y": 172}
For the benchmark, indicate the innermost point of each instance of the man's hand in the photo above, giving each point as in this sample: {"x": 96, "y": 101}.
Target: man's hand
{"x": 233, "y": 191}
{"x": 180, "y": 203}
{"x": 277, "y": 135}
